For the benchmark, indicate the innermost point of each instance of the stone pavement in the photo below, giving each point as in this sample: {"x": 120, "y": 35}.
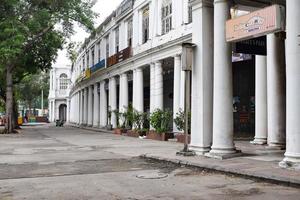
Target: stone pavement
{"x": 257, "y": 161}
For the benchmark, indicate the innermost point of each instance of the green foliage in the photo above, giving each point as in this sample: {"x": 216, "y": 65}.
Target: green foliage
{"x": 109, "y": 112}
{"x": 180, "y": 120}
{"x": 32, "y": 32}
{"x": 160, "y": 120}
{"x": 35, "y": 84}
{"x": 118, "y": 115}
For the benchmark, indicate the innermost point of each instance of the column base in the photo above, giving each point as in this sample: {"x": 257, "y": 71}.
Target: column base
{"x": 199, "y": 150}
{"x": 95, "y": 126}
{"x": 259, "y": 141}
{"x": 221, "y": 156}
{"x": 290, "y": 161}
{"x": 90, "y": 125}
{"x": 278, "y": 146}
{"x": 223, "y": 153}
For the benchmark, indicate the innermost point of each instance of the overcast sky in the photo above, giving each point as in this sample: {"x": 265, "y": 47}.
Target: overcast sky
{"x": 104, "y": 8}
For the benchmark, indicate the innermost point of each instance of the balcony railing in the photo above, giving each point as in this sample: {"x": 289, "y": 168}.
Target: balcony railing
{"x": 119, "y": 57}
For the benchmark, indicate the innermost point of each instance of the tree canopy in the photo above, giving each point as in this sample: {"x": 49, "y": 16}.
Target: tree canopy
{"x": 32, "y": 32}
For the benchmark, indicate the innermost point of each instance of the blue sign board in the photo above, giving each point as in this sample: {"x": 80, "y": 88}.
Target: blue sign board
{"x": 98, "y": 66}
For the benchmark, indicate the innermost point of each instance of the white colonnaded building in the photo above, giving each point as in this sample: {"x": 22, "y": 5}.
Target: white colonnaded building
{"x": 135, "y": 57}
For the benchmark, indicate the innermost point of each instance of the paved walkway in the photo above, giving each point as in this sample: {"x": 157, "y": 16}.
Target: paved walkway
{"x": 257, "y": 161}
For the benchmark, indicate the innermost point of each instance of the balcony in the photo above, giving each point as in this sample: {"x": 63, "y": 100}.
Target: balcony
{"x": 119, "y": 57}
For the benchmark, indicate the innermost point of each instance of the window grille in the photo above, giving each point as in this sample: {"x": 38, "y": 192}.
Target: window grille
{"x": 129, "y": 33}
{"x": 117, "y": 42}
{"x": 63, "y": 82}
{"x": 190, "y": 14}
{"x": 99, "y": 51}
{"x": 166, "y": 17}
{"x": 145, "y": 24}
{"x": 107, "y": 47}
{"x": 87, "y": 59}
{"x": 93, "y": 56}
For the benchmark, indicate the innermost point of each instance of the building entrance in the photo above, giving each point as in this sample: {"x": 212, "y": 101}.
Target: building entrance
{"x": 63, "y": 112}
{"x": 244, "y": 98}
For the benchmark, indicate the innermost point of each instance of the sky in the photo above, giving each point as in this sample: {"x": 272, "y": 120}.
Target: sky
{"x": 103, "y": 8}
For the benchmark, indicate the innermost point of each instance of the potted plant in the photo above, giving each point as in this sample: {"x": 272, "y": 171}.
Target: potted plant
{"x": 179, "y": 122}
{"x": 160, "y": 120}
{"x": 109, "y": 125}
{"x": 118, "y": 130}
{"x": 136, "y": 124}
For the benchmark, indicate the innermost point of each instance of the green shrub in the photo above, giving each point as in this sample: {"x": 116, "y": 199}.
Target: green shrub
{"x": 160, "y": 120}
{"x": 180, "y": 121}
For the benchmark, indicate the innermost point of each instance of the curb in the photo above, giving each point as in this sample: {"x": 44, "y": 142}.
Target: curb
{"x": 90, "y": 128}
{"x": 240, "y": 173}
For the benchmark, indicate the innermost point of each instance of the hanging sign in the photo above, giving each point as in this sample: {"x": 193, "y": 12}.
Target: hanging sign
{"x": 258, "y": 23}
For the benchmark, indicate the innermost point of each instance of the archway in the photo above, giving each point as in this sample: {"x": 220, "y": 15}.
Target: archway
{"x": 63, "y": 112}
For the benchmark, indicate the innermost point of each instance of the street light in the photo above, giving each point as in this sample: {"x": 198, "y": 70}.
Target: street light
{"x": 187, "y": 63}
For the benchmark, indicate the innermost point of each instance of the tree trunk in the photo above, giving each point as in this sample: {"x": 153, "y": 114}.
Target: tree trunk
{"x": 9, "y": 100}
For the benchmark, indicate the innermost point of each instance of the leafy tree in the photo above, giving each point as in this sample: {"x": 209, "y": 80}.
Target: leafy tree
{"x": 32, "y": 31}
{"x": 34, "y": 83}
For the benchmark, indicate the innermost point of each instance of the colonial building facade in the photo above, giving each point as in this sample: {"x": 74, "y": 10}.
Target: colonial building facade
{"x": 59, "y": 94}
{"x": 135, "y": 57}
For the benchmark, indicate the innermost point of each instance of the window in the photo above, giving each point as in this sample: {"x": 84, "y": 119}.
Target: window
{"x": 117, "y": 42}
{"x": 83, "y": 63}
{"x": 93, "y": 56}
{"x": 63, "y": 82}
{"x": 190, "y": 13}
{"x": 99, "y": 51}
{"x": 166, "y": 17}
{"x": 87, "y": 59}
{"x": 129, "y": 33}
{"x": 107, "y": 47}
{"x": 145, "y": 26}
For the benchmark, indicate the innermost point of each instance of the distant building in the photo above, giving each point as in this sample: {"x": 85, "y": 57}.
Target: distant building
{"x": 59, "y": 93}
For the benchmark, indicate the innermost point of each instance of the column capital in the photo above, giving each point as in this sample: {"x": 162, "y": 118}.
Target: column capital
{"x": 223, "y": 1}
{"x": 177, "y": 56}
{"x": 158, "y": 62}
{"x": 196, "y": 4}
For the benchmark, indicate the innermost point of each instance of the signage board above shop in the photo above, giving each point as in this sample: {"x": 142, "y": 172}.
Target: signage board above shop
{"x": 255, "y": 24}
{"x": 255, "y": 46}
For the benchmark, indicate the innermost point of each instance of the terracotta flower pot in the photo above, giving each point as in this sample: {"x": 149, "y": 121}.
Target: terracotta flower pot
{"x": 181, "y": 138}
{"x": 159, "y": 136}
{"x": 133, "y": 133}
{"x": 118, "y": 131}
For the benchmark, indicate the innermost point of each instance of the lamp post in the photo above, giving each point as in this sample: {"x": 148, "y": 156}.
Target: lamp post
{"x": 187, "y": 62}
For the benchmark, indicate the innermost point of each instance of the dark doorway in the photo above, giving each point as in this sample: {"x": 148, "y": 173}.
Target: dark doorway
{"x": 63, "y": 112}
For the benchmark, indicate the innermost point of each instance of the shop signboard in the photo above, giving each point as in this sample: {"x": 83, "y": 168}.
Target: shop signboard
{"x": 87, "y": 73}
{"x": 98, "y": 66}
{"x": 255, "y": 24}
{"x": 255, "y": 46}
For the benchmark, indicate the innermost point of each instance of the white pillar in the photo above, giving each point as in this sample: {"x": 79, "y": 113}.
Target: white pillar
{"x": 292, "y": 154}
{"x": 276, "y": 90}
{"x": 81, "y": 107}
{"x": 133, "y": 88}
{"x": 261, "y": 114}
{"x": 85, "y": 106}
{"x": 103, "y": 105}
{"x": 159, "y": 86}
{"x": 202, "y": 78}
{"x": 152, "y": 87}
{"x": 222, "y": 92}
{"x": 123, "y": 100}
{"x": 68, "y": 110}
{"x": 90, "y": 106}
{"x": 78, "y": 108}
{"x": 113, "y": 100}
{"x": 139, "y": 87}
{"x": 96, "y": 107}
{"x": 176, "y": 89}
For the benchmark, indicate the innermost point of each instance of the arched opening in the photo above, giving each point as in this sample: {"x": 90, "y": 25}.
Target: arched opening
{"x": 63, "y": 112}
